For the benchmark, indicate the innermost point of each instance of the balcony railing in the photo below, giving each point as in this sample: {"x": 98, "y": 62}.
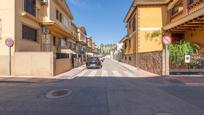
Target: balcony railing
{"x": 47, "y": 47}
{"x": 175, "y": 14}
{"x": 193, "y": 3}
{"x": 62, "y": 56}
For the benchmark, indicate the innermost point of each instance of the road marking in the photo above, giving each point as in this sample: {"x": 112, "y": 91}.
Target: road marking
{"x": 117, "y": 74}
{"x": 129, "y": 74}
{"x": 92, "y": 73}
{"x": 82, "y": 73}
{"x": 104, "y": 73}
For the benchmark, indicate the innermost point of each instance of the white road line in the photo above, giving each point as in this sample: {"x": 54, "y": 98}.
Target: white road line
{"x": 128, "y": 74}
{"x": 117, "y": 74}
{"x": 104, "y": 73}
{"x": 82, "y": 73}
{"x": 92, "y": 73}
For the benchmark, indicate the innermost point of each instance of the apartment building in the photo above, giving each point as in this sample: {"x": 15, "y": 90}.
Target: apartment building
{"x": 148, "y": 20}
{"x": 140, "y": 48}
{"x": 89, "y": 45}
{"x": 82, "y": 41}
{"x": 44, "y": 36}
{"x": 186, "y": 22}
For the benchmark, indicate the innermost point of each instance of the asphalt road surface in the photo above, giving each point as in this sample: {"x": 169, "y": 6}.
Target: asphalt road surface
{"x": 112, "y": 90}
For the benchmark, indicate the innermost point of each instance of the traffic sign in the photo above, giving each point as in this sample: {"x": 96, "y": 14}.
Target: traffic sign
{"x": 187, "y": 58}
{"x": 167, "y": 40}
{"x": 9, "y": 42}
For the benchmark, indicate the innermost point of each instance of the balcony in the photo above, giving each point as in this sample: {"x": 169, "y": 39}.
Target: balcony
{"x": 195, "y": 5}
{"x": 176, "y": 15}
{"x": 177, "y": 11}
{"x": 187, "y": 16}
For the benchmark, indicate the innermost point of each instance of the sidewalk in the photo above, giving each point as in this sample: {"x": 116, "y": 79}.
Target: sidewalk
{"x": 67, "y": 75}
{"x": 71, "y": 74}
{"x": 139, "y": 72}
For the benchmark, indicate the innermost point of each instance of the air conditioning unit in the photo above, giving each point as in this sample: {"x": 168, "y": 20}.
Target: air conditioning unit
{"x": 44, "y": 2}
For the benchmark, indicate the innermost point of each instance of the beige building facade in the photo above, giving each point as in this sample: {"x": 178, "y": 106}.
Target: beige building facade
{"x": 39, "y": 28}
{"x": 141, "y": 48}
{"x": 186, "y": 23}
{"x": 149, "y": 20}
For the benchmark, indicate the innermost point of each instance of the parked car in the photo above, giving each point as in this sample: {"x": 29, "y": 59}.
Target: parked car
{"x": 93, "y": 62}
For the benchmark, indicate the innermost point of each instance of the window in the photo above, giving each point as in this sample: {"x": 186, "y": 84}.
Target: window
{"x": 177, "y": 8}
{"x": 54, "y": 41}
{"x": 63, "y": 42}
{"x": 133, "y": 24}
{"x": 130, "y": 44}
{"x": 29, "y": 6}
{"x": 57, "y": 14}
{"x": 125, "y": 45}
{"x": 60, "y": 17}
{"x": 130, "y": 25}
{"x": 130, "y": 58}
{"x": 69, "y": 45}
{"x": 65, "y": 21}
{"x": 29, "y": 33}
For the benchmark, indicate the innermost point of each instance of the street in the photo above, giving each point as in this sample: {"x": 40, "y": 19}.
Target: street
{"x": 112, "y": 90}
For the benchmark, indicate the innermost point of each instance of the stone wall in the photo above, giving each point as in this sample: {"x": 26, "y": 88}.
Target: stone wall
{"x": 129, "y": 59}
{"x": 150, "y": 61}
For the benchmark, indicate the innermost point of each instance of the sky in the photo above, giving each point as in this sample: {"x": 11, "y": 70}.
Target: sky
{"x": 103, "y": 19}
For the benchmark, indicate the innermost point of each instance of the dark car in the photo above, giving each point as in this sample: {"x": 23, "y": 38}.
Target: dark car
{"x": 93, "y": 62}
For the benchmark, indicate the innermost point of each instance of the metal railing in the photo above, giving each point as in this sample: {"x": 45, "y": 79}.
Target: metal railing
{"x": 195, "y": 67}
{"x": 62, "y": 56}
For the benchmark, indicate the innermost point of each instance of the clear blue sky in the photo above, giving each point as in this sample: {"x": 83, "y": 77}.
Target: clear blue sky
{"x": 103, "y": 19}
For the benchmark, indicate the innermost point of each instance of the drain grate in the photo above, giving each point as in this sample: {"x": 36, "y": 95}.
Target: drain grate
{"x": 60, "y": 93}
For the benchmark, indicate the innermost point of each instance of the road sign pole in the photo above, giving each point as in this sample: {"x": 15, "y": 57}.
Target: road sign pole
{"x": 10, "y": 61}
{"x": 165, "y": 60}
{"x": 9, "y": 42}
{"x": 167, "y": 40}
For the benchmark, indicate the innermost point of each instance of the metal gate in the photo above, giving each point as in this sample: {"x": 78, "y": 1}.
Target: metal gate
{"x": 194, "y": 67}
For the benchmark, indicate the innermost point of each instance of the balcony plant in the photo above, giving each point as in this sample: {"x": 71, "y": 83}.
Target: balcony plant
{"x": 178, "y": 50}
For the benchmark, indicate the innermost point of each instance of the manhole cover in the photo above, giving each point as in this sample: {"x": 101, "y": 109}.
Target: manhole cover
{"x": 163, "y": 114}
{"x": 58, "y": 93}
